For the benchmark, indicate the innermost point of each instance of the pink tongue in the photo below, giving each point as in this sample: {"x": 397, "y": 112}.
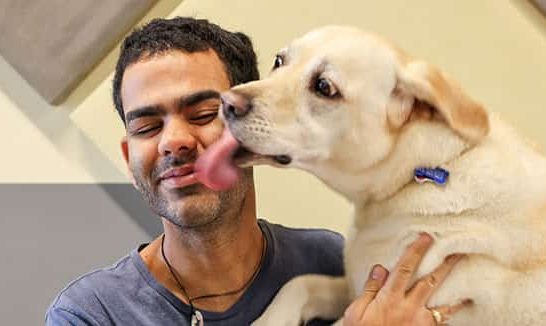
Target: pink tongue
{"x": 215, "y": 168}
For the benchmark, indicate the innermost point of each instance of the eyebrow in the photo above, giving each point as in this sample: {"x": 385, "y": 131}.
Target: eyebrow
{"x": 197, "y": 97}
{"x": 319, "y": 68}
{"x": 146, "y": 111}
{"x": 183, "y": 102}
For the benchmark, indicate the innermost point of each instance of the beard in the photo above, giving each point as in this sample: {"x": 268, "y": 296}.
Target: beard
{"x": 193, "y": 206}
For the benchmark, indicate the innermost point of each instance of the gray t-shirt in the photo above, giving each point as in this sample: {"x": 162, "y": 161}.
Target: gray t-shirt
{"x": 127, "y": 294}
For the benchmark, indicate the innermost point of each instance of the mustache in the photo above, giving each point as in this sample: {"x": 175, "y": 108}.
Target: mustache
{"x": 170, "y": 162}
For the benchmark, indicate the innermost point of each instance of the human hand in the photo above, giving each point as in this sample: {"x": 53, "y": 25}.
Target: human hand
{"x": 386, "y": 301}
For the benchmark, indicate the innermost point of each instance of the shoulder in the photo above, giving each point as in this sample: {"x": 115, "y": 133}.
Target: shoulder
{"x": 82, "y": 299}
{"x": 305, "y": 237}
{"x": 100, "y": 281}
{"x": 317, "y": 250}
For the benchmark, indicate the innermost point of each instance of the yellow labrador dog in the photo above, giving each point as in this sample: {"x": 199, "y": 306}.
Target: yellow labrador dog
{"x": 369, "y": 121}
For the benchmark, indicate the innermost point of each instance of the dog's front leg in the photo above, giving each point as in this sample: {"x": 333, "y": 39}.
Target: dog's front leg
{"x": 307, "y": 297}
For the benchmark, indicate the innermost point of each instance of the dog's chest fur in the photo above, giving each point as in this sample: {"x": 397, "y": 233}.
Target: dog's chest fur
{"x": 493, "y": 209}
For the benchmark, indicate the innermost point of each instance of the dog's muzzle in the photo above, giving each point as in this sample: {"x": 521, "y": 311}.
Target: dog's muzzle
{"x": 235, "y": 105}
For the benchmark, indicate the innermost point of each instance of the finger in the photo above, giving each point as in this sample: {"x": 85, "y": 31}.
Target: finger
{"x": 447, "y": 312}
{"x": 377, "y": 278}
{"x": 405, "y": 268}
{"x": 424, "y": 288}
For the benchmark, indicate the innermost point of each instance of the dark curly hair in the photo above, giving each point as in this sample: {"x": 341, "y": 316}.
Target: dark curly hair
{"x": 188, "y": 35}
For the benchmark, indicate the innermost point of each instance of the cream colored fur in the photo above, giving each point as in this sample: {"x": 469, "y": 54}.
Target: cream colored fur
{"x": 395, "y": 114}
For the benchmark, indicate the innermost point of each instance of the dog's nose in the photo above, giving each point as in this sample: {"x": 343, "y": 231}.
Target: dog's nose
{"x": 235, "y": 105}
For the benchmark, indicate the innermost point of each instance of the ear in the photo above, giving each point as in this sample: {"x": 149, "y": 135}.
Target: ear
{"x": 125, "y": 151}
{"x": 420, "y": 82}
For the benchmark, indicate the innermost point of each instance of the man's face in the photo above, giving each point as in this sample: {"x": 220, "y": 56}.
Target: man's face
{"x": 170, "y": 103}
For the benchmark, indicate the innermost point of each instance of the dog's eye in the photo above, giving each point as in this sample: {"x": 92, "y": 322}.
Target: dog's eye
{"x": 325, "y": 88}
{"x": 279, "y": 61}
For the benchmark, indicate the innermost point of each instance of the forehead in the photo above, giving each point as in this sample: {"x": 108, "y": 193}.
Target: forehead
{"x": 166, "y": 77}
{"x": 340, "y": 43}
{"x": 357, "y": 61}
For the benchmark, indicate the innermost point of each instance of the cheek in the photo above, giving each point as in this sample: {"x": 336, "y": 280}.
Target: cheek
{"x": 141, "y": 157}
{"x": 374, "y": 146}
{"x": 210, "y": 133}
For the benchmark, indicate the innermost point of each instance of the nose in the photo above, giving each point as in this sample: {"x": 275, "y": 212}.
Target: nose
{"x": 176, "y": 139}
{"x": 235, "y": 105}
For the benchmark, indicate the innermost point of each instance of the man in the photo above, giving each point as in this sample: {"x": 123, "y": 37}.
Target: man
{"x": 215, "y": 263}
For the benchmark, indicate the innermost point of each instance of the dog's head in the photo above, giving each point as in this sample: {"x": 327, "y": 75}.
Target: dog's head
{"x": 341, "y": 104}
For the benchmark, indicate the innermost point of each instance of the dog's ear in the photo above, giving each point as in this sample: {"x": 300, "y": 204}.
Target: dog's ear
{"x": 420, "y": 85}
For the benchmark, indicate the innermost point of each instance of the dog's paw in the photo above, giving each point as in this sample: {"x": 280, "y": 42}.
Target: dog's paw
{"x": 285, "y": 309}
{"x": 270, "y": 320}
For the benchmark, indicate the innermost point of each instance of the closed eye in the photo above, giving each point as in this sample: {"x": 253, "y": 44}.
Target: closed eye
{"x": 146, "y": 130}
{"x": 204, "y": 118}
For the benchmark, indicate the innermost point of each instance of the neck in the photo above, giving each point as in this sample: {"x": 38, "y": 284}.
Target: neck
{"x": 419, "y": 146}
{"x": 221, "y": 260}
{"x": 482, "y": 182}
{"x": 212, "y": 260}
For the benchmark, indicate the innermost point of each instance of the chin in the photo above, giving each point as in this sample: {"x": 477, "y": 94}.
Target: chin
{"x": 185, "y": 192}
{"x": 196, "y": 217}
{"x": 196, "y": 202}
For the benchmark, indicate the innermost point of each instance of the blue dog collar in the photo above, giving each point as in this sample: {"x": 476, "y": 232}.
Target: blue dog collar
{"x": 437, "y": 175}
